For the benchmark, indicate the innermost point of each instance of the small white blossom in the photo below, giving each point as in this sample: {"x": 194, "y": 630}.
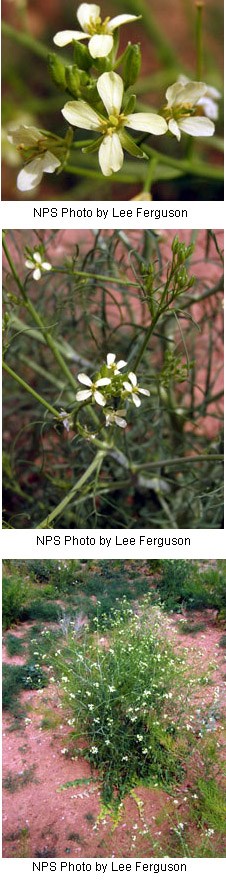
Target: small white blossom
{"x": 181, "y": 114}
{"x": 25, "y": 137}
{"x": 65, "y": 679}
{"x": 115, "y": 366}
{"x": 115, "y": 417}
{"x": 111, "y": 689}
{"x": 37, "y": 265}
{"x": 125, "y": 757}
{"x": 133, "y": 389}
{"x": 208, "y": 102}
{"x": 91, "y": 707}
{"x": 93, "y": 391}
{"x": 110, "y": 87}
{"x": 98, "y": 32}
{"x": 94, "y": 749}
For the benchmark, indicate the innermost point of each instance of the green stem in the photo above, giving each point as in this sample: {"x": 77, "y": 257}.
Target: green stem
{"x": 124, "y": 178}
{"x": 30, "y": 390}
{"x": 97, "y": 276}
{"x": 201, "y": 169}
{"x": 38, "y": 321}
{"x": 146, "y": 339}
{"x": 201, "y": 458}
{"x": 96, "y": 464}
{"x": 199, "y": 46}
{"x": 25, "y": 40}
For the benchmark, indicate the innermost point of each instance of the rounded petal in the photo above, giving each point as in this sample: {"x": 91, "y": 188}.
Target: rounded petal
{"x": 192, "y": 92}
{"x": 46, "y": 265}
{"x": 133, "y": 378}
{"x": 136, "y": 400}
{"x": 197, "y": 126}
{"x": 83, "y": 378}
{"x": 62, "y": 38}
{"x": 99, "y": 399}
{"x": 209, "y": 107}
{"x": 174, "y": 128}
{"x": 121, "y": 364}
{"x": 110, "y": 359}
{"x": 30, "y": 176}
{"x": 110, "y": 88}
{"x": 49, "y": 162}
{"x": 37, "y": 274}
{"x": 144, "y": 392}
{"x": 82, "y": 395}
{"x": 100, "y": 45}
{"x": 37, "y": 257}
{"x": 26, "y": 135}
{"x": 86, "y": 12}
{"x": 120, "y": 422}
{"x": 147, "y": 122}
{"x": 121, "y": 20}
{"x": 104, "y": 381}
{"x": 110, "y": 154}
{"x": 79, "y": 113}
{"x": 127, "y": 386}
{"x": 29, "y": 264}
{"x": 172, "y": 93}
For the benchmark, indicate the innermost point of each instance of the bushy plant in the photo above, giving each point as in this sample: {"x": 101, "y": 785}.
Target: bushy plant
{"x": 20, "y": 677}
{"x": 14, "y": 595}
{"x": 120, "y": 692}
{"x": 183, "y": 584}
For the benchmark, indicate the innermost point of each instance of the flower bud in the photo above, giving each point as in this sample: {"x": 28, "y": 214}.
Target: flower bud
{"x": 82, "y": 57}
{"x": 57, "y": 71}
{"x": 131, "y": 67}
{"x": 72, "y": 80}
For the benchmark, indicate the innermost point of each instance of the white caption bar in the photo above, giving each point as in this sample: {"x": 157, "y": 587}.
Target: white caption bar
{"x": 130, "y": 215}
{"x": 110, "y": 869}
{"x": 56, "y": 543}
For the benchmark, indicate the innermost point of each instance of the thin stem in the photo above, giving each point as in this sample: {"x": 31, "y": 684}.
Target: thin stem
{"x": 30, "y": 390}
{"x": 96, "y": 464}
{"x": 38, "y": 321}
{"x": 201, "y": 169}
{"x": 199, "y": 42}
{"x": 97, "y": 276}
{"x": 124, "y": 178}
{"x": 201, "y": 458}
{"x": 146, "y": 339}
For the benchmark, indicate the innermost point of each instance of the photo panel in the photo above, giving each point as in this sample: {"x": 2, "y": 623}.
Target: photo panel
{"x": 113, "y": 379}
{"x": 122, "y": 101}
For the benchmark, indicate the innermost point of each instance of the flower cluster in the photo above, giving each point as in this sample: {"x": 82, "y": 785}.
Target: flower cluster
{"x": 101, "y": 102}
{"x": 116, "y": 386}
{"x": 36, "y": 264}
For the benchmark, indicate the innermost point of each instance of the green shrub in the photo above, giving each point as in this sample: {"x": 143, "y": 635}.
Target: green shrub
{"x": 119, "y": 689}
{"x": 174, "y": 584}
{"x": 14, "y": 595}
{"x": 182, "y": 584}
{"x": 14, "y": 645}
{"x": 47, "y": 611}
{"x": 20, "y": 677}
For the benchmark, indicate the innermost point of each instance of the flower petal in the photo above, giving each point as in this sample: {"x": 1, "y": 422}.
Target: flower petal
{"x": 37, "y": 274}
{"x": 127, "y": 386}
{"x": 110, "y": 88}
{"x": 133, "y": 378}
{"x": 121, "y": 364}
{"x": 104, "y": 381}
{"x": 25, "y": 135}
{"x": 110, "y": 154}
{"x": 62, "y": 38}
{"x": 46, "y": 265}
{"x": 99, "y": 398}
{"x": 100, "y": 45}
{"x": 86, "y": 12}
{"x": 192, "y": 92}
{"x": 174, "y": 128}
{"x": 172, "y": 93}
{"x": 120, "y": 422}
{"x": 136, "y": 400}
{"x": 82, "y": 395}
{"x": 209, "y": 107}
{"x": 29, "y": 264}
{"x": 79, "y": 113}
{"x": 121, "y": 20}
{"x": 30, "y": 176}
{"x": 197, "y": 126}
{"x": 147, "y": 122}
{"x": 110, "y": 359}
{"x": 144, "y": 392}
{"x": 49, "y": 162}
{"x": 83, "y": 378}
{"x": 37, "y": 257}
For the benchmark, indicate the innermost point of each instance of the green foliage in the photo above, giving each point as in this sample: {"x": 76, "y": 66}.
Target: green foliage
{"x": 14, "y": 595}
{"x": 183, "y": 584}
{"x": 47, "y": 611}
{"x": 191, "y": 628}
{"x": 14, "y": 781}
{"x": 16, "y": 678}
{"x": 120, "y": 694}
{"x": 14, "y": 645}
{"x": 210, "y": 808}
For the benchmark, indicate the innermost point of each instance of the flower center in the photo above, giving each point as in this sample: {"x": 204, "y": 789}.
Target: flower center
{"x": 97, "y": 26}
{"x": 178, "y": 111}
{"x": 115, "y": 122}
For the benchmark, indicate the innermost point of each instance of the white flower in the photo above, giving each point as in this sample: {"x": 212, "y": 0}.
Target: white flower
{"x": 25, "y": 137}
{"x": 134, "y": 389}
{"x": 37, "y": 265}
{"x": 94, "y": 749}
{"x": 113, "y": 136}
{"x": 93, "y": 392}
{"x": 208, "y": 102}
{"x": 181, "y": 110}
{"x": 115, "y": 417}
{"x": 125, "y": 757}
{"x": 115, "y": 366}
{"x": 111, "y": 689}
{"x": 98, "y": 32}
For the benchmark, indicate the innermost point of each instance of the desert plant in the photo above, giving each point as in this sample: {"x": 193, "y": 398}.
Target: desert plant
{"x": 14, "y": 595}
